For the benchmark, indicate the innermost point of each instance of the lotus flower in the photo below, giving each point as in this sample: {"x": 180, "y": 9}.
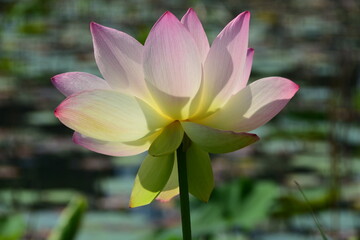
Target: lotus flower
{"x": 173, "y": 87}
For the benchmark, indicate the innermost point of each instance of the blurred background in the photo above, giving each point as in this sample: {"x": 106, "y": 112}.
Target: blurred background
{"x": 313, "y": 141}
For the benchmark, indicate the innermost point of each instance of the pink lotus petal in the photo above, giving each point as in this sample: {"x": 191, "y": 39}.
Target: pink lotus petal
{"x": 225, "y": 62}
{"x": 172, "y": 65}
{"x": 254, "y": 105}
{"x": 109, "y": 115}
{"x": 119, "y": 58}
{"x": 193, "y": 24}
{"x": 246, "y": 72}
{"x": 114, "y": 148}
{"x": 74, "y": 82}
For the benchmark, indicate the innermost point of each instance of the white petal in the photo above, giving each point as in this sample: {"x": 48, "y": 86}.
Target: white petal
{"x": 254, "y": 105}
{"x": 172, "y": 65}
{"x": 226, "y": 60}
{"x": 115, "y": 148}
{"x": 109, "y": 116}
{"x": 246, "y": 72}
{"x": 194, "y": 26}
{"x": 74, "y": 82}
{"x": 119, "y": 58}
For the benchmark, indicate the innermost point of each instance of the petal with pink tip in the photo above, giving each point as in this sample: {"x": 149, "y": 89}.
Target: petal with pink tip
{"x": 74, "y": 82}
{"x": 114, "y": 148}
{"x": 194, "y": 26}
{"x": 109, "y": 115}
{"x": 172, "y": 65}
{"x": 254, "y": 105}
{"x": 246, "y": 72}
{"x": 226, "y": 60}
{"x": 119, "y": 58}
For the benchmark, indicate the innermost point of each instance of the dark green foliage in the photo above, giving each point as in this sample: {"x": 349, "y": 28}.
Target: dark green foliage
{"x": 241, "y": 204}
{"x": 12, "y": 226}
{"x": 70, "y": 220}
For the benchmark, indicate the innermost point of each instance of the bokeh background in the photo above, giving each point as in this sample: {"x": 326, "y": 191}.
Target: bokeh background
{"x": 313, "y": 141}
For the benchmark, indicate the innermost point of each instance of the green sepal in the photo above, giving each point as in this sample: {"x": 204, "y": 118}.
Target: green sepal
{"x": 171, "y": 188}
{"x": 200, "y": 174}
{"x": 168, "y": 141}
{"x": 217, "y": 141}
{"x": 151, "y": 178}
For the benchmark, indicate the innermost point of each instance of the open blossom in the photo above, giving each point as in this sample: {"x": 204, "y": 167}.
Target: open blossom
{"x": 175, "y": 86}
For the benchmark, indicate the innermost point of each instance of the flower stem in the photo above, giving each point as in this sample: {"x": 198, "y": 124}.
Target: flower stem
{"x": 184, "y": 190}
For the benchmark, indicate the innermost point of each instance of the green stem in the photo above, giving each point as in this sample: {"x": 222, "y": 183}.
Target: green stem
{"x": 184, "y": 191}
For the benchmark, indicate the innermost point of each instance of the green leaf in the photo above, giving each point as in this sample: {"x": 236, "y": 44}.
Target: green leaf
{"x": 70, "y": 220}
{"x": 151, "y": 178}
{"x": 12, "y": 226}
{"x": 217, "y": 141}
{"x": 168, "y": 141}
{"x": 242, "y": 203}
{"x": 255, "y": 205}
{"x": 200, "y": 175}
